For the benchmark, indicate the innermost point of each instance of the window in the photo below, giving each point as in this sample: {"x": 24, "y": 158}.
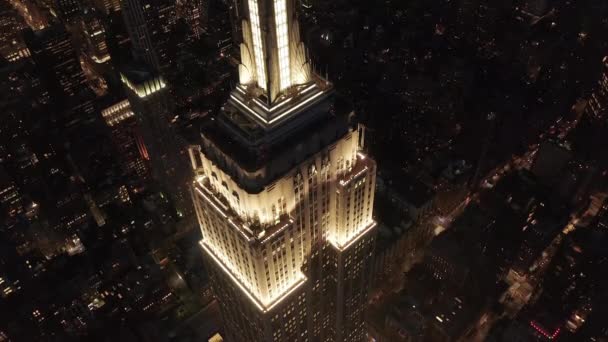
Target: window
{"x": 258, "y": 49}
{"x": 280, "y": 12}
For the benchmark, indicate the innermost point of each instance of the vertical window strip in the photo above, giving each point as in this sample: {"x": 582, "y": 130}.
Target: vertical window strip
{"x": 280, "y": 10}
{"x": 258, "y": 52}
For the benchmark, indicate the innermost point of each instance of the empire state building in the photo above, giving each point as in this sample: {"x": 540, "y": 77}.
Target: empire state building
{"x": 284, "y": 194}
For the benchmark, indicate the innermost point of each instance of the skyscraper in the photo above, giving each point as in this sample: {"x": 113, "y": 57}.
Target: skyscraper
{"x": 58, "y": 64}
{"x": 107, "y": 6}
{"x": 54, "y": 54}
{"x": 234, "y": 12}
{"x": 68, "y": 10}
{"x": 95, "y": 36}
{"x": 149, "y": 98}
{"x": 284, "y": 194}
{"x": 195, "y": 14}
{"x": 123, "y": 125}
{"x": 149, "y": 23}
{"x": 597, "y": 107}
{"x": 10, "y": 198}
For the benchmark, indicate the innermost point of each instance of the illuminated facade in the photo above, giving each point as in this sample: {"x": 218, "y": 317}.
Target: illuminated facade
{"x": 284, "y": 195}
{"x": 273, "y": 58}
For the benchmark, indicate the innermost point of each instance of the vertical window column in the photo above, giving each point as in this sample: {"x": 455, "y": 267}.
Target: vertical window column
{"x": 258, "y": 50}
{"x": 280, "y": 19}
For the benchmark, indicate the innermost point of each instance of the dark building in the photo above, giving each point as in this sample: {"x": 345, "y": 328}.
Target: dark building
{"x": 410, "y": 195}
{"x": 127, "y": 140}
{"x": 11, "y": 202}
{"x": 235, "y": 11}
{"x": 551, "y": 160}
{"x": 536, "y": 7}
{"x": 149, "y": 23}
{"x": 398, "y": 321}
{"x": 68, "y": 10}
{"x": 12, "y": 46}
{"x": 54, "y": 54}
{"x": 94, "y": 34}
{"x": 57, "y": 62}
{"x": 107, "y": 6}
{"x": 23, "y": 89}
{"x": 195, "y": 13}
{"x": 150, "y": 101}
{"x": 448, "y": 262}
{"x": 597, "y": 108}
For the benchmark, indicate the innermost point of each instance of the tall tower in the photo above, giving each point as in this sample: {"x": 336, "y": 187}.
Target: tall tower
{"x": 284, "y": 194}
{"x": 272, "y": 55}
{"x": 121, "y": 120}
{"x": 148, "y": 23}
{"x": 150, "y": 101}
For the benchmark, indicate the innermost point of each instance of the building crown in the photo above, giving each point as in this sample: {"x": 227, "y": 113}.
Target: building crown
{"x": 273, "y": 57}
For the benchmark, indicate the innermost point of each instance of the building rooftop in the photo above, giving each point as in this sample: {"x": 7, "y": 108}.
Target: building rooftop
{"x": 413, "y": 190}
{"x": 138, "y": 72}
{"x": 255, "y": 157}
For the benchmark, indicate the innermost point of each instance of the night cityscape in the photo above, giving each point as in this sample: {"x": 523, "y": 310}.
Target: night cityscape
{"x": 303, "y": 170}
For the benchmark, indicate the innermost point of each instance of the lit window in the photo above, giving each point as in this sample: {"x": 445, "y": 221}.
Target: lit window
{"x": 280, "y": 12}
{"x": 258, "y": 51}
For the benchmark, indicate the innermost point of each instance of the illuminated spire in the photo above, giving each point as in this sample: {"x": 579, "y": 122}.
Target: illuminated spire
{"x": 273, "y": 58}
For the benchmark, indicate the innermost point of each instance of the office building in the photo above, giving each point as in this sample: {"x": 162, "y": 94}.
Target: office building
{"x": 119, "y": 117}
{"x": 54, "y": 54}
{"x": 68, "y": 10}
{"x": 149, "y": 23}
{"x": 12, "y": 46}
{"x": 107, "y": 6}
{"x": 195, "y": 14}
{"x": 94, "y": 34}
{"x": 284, "y": 194}
{"x": 10, "y": 198}
{"x": 236, "y": 17}
{"x": 536, "y": 7}
{"x": 597, "y": 107}
{"x": 149, "y": 98}
{"x": 58, "y": 64}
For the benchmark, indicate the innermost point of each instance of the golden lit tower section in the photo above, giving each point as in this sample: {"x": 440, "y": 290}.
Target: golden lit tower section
{"x": 273, "y": 59}
{"x": 284, "y": 194}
